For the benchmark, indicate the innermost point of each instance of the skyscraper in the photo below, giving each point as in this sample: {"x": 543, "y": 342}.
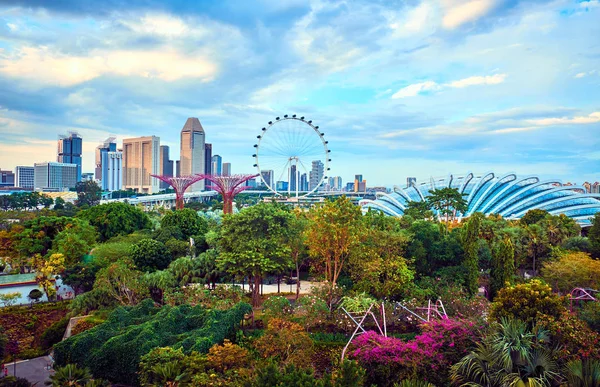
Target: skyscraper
{"x": 267, "y": 177}
{"x": 303, "y": 182}
{"x": 226, "y": 169}
{"x": 217, "y": 165}
{"x": 166, "y": 165}
{"x": 69, "y": 151}
{"x": 112, "y": 171}
{"x": 293, "y": 178}
{"x": 24, "y": 177}
{"x": 109, "y": 145}
{"x": 192, "y": 155}
{"x": 54, "y": 176}
{"x": 207, "y": 162}
{"x": 316, "y": 174}
{"x": 141, "y": 158}
{"x": 360, "y": 185}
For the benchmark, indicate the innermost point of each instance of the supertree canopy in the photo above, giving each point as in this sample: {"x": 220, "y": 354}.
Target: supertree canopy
{"x": 180, "y": 185}
{"x": 228, "y": 187}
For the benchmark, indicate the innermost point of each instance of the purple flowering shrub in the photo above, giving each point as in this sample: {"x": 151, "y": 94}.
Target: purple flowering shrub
{"x": 429, "y": 356}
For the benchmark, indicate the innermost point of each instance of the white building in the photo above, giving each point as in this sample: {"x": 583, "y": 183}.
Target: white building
{"x": 54, "y": 176}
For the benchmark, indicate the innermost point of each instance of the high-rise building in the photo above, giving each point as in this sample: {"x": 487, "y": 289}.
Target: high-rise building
{"x": 226, "y": 169}
{"x": 360, "y": 185}
{"x": 281, "y": 186}
{"x": 350, "y": 187}
{"x": 141, "y": 158}
{"x": 192, "y": 155}
{"x": 54, "y": 176}
{"x": 267, "y": 177}
{"x": 177, "y": 168}
{"x": 166, "y": 165}
{"x": 87, "y": 176}
{"x": 217, "y": 165}
{"x": 70, "y": 148}
{"x": 411, "y": 181}
{"x": 294, "y": 178}
{"x": 112, "y": 171}
{"x": 208, "y": 159}
{"x": 303, "y": 182}
{"x": 595, "y": 188}
{"x": 316, "y": 174}
{"x": 335, "y": 183}
{"x": 251, "y": 183}
{"x": 24, "y": 177}
{"x": 109, "y": 145}
{"x": 7, "y": 178}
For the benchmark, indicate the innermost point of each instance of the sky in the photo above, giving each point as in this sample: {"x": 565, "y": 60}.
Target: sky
{"x": 400, "y": 88}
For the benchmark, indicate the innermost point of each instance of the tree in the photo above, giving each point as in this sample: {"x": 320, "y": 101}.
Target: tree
{"x": 447, "y": 201}
{"x": 578, "y": 243}
{"x": 70, "y": 375}
{"x": 533, "y": 216}
{"x": 572, "y": 270}
{"x": 253, "y": 243}
{"x": 9, "y": 299}
{"x": 121, "y": 283}
{"x": 537, "y": 245}
{"x": 35, "y": 295}
{"x": 418, "y": 210}
{"x": 471, "y": 258}
{"x": 59, "y": 203}
{"x": 594, "y": 236}
{"x": 74, "y": 243}
{"x": 150, "y": 255}
{"x": 113, "y": 219}
{"x": 45, "y": 269}
{"x": 296, "y": 240}
{"x": 187, "y": 221}
{"x": 335, "y": 230}
{"x": 88, "y": 193}
{"x": 503, "y": 266}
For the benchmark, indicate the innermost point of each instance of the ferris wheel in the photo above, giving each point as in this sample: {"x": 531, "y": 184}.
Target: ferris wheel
{"x": 292, "y": 156}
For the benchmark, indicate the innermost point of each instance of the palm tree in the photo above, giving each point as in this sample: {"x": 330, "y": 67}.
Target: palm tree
{"x": 170, "y": 375}
{"x": 414, "y": 383}
{"x": 583, "y": 373}
{"x": 537, "y": 243}
{"x": 513, "y": 355}
{"x": 70, "y": 375}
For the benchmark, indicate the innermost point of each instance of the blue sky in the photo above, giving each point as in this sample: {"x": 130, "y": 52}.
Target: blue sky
{"x": 401, "y": 88}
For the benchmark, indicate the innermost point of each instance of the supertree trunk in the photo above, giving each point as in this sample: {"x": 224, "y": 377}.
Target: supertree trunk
{"x": 180, "y": 185}
{"x": 228, "y": 187}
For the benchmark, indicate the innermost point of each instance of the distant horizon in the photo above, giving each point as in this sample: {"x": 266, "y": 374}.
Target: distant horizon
{"x": 418, "y": 89}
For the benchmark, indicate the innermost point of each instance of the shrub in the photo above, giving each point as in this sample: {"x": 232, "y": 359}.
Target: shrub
{"x": 227, "y": 356}
{"x": 526, "y": 301}
{"x": 575, "y": 340}
{"x": 157, "y": 356}
{"x": 359, "y": 303}
{"x": 83, "y": 325}
{"x": 312, "y": 310}
{"x": 35, "y": 295}
{"x": 287, "y": 342}
{"x": 277, "y": 307}
{"x": 428, "y": 357}
{"x": 11, "y": 381}
{"x": 54, "y": 333}
{"x": 572, "y": 270}
{"x": 590, "y": 313}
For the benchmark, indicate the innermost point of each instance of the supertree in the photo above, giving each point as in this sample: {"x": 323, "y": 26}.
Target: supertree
{"x": 180, "y": 185}
{"x": 228, "y": 187}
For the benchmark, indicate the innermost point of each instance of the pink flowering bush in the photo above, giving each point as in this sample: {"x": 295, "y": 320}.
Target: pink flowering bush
{"x": 428, "y": 357}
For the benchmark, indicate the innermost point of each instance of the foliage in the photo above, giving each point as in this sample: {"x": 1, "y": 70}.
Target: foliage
{"x": 526, "y": 301}
{"x": 187, "y": 221}
{"x": 8, "y": 299}
{"x": 431, "y": 249}
{"x": 471, "y": 258}
{"x": 93, "y": 300}
{"x": 503, "y": 266}
{"x": 81, "y": 276}
{"x": 112, "y": 350}
{"x": 590, "y": 313}
{"x": 122, "y": 283}
{"x": 594, "y": 236}
{"x": 70, "y": 375}
{"x": 74, "y": 243}
{"x": 583, "y": 373}
{"x": 54, "y": 333}
{"x": 574, "y": 338}
{"x": 359, "y": 303}
{"x": 533, "y": 216}
{"x": 287, "y": 342}
{"x": 88, "y": 193}
{"x": 227, "y": 356}
{"x": 428, "y": 357}
{"x": 150, "y": 255}
{"x": 84, "y": 325}
{"x": 578, "y": 243}
{"x": 334, "y": 231}
{"x": 252, "y": 243}
{"x": 109, "y": 252}
{"x": 157, "y": 356}
{"x": 414, "y": 383}
{"x": 3, "y": 342}
{"x": 418, "y": 210}
{"x": 11, "y": 381}
{"x": 222, "y": 297}
{"x": 513, "y": 355}
{"x": 572, "y": 270}
{"x": 115, "y": 218}
{"x": 311, "y": 310}
{"x": 277, "y": 307}
{"x": 537, "y": 244}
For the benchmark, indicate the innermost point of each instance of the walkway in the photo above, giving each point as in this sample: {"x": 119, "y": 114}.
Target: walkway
{"x": 34, "y": 370}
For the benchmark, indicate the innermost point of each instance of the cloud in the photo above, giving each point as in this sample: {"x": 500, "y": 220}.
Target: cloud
{"x": 420, "y": 88}
{"x": 458, "y": 12}
{"x": 45, "y": 66}
{"x": 590, "y": 119}
{"x": 590, "y": 4}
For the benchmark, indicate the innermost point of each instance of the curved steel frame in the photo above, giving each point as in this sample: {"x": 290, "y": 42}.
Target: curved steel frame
{"x": 228, "y": 187}
{"x": 315, "y": 128}
{"x": 180, "y": 185}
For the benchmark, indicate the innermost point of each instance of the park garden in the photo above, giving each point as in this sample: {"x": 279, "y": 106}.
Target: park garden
{"x": 364, "y": 299}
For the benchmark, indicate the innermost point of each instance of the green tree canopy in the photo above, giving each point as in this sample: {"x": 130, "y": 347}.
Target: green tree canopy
{"x": 418, "y": 210}
{"x": 594, "y": 236}
{"x": 572, "y": 270}
{"x": 88, "y": 193}
{"x": 533, "y": 216}
{"x": 253, "y": 244}
{"x": 447, "y": 201}
{"x": 150, "y": 255}
{"x": 187, "y": 221}
{"x": 116, "y": 218}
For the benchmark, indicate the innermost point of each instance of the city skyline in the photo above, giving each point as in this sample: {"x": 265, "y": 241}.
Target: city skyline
{"x": 415, "y": 89}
